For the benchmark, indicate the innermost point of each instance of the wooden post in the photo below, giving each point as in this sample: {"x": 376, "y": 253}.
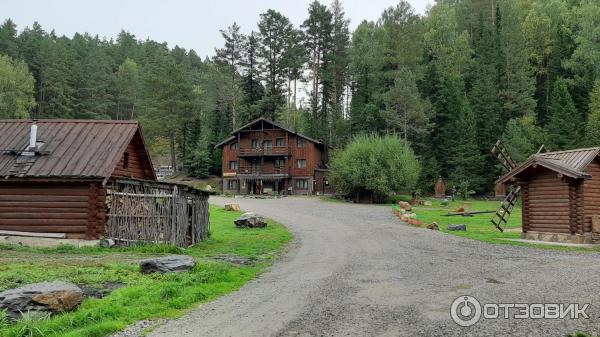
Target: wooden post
{"x": 525, "y": 214}
{"x": 173, "y": 156}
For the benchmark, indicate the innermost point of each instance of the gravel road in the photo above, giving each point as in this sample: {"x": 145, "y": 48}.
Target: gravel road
{"x": 355, "y": 270}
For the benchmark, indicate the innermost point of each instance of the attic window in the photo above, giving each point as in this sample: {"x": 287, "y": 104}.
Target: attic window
{"x": 126, "y": 160}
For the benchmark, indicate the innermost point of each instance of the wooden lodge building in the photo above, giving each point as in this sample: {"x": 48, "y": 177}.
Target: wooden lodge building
{"x": 560, "y": 194}
{"x": 58, "y": 179}
{"x": 263, "y": 157}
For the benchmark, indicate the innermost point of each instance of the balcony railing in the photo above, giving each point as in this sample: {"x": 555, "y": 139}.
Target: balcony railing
{"x": 264, "y": 151}
{"x": 258, "y": 171}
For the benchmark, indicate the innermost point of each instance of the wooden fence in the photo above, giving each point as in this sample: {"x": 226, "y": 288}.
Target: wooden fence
{"x": 152, "y": 212}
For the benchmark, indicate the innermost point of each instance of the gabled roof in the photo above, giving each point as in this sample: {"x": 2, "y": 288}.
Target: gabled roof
{"x": 571, "y": 163}
{"x": 263, "y": 119}
{"x": 71, "y": 149}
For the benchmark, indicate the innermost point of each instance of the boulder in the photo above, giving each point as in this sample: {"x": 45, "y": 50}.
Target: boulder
{"x": 167, "y": 264}
{"x": 404, "y": 205}
{"x": 232, "y": 207}
{"x": 433, "y": 226}
{"x": 44, "y": 298}
{"x": 251, "y": 220}
{"x": 426, "y": 203}
{"x": 457, "y": 227}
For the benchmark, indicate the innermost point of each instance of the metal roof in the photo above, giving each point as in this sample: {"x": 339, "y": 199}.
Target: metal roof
{"x": 227, "y": 140}
{"x": 71, "y": 149}
{"x": 571, "y": 163}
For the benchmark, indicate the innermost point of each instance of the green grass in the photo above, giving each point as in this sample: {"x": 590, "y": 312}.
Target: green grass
{"x": 479, "y": 226}
{"x": 142, "y": 296}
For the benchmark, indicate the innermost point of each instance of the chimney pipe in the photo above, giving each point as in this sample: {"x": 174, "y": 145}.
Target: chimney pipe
{"x": 30, "y": 152}
{"x": 33, "y": 135}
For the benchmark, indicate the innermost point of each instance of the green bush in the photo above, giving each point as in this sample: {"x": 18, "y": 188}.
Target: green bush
{"x": 378, "y": 164}
{"x": 400, "y": 197}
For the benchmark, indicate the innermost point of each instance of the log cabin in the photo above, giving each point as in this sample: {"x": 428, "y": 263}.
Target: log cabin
{"x": 54, "y": 174}
{"x": 560, "y": 193}
{"x": 263, "y": 157}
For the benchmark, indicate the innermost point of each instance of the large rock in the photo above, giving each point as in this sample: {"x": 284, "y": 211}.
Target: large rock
{"x": 45, "y": 297}
{"x": 404, "y": 205}
{"x": 251, "y": 220}
{"x": 167, "y": 264}
{"x": 232, "y": 207}
{"x": 457, "y": 227}
{"x": 433, "y": 226}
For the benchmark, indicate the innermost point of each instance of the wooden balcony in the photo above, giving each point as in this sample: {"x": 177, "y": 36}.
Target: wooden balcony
{"x": 262, "y": 172}
{"x": 264, "y": 151}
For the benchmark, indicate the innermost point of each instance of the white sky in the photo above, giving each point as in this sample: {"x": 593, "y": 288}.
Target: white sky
{"x": 189, "y": 24}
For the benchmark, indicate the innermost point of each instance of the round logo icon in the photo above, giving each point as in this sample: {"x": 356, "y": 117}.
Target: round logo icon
{"x": 465, "y": 310}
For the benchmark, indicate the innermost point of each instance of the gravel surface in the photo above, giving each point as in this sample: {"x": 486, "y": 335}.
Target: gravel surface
{"x": 355, "y": 270}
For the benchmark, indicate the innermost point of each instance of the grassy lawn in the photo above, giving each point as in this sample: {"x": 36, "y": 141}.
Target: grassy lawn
{"x": 141, "y": 296}
{"x": 479, "y": 226}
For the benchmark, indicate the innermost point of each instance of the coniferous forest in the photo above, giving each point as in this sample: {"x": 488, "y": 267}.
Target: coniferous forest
{"x": 450, "y": 82}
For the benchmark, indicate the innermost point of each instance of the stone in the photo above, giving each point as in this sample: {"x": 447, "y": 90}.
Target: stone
{"x": 426, "y": 203}
{"x": 251, "y": 220}
{"x": 45, "y": 297}
{"x": 404, "y": 205}
{"x": 167, "y": 264}
{"x": 433, "y": 226}
{"x": 106, "y": 243}
{"x": 457, "y": 227}
{"x": 445, "y": 202}
{"x": 232, "y": 207}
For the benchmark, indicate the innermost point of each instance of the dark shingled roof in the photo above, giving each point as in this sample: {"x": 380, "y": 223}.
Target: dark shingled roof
{"x": 71, "y": 149}
{"x": 571, "y": 163}
{"x": 228, "y": 139}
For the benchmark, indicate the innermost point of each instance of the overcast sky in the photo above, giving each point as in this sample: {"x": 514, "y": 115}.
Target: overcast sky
{"x": 189, "y": 24}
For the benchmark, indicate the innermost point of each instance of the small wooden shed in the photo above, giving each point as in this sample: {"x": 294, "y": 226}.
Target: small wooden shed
{"x": 560, "y": 194}
{"x": 60, "y": 178}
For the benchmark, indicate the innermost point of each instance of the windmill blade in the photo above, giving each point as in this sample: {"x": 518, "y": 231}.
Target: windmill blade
{"x": 500, "y": 152}
{"x": 506, "y": 207}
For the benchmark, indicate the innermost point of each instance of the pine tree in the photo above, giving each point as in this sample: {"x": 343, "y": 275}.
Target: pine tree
{"x": 251, "y": 81}
{"x": 338, "y": 70}
{"x": 16, "y": 88}
{"x": 294, "y": 59}
{"x": 127, "y": 89}
{"x": 522, "y": 137}
{"x": 593, "y": 122}
{"x": 318, "y": 28}
{"x": 516, "y": 82}
{"x": 406, "y": 112}
{"x": 8, "y": 39}
{"x": 565, "y": 127}
{"x": 274, "y": 29}
{"x": 449, "y": 56}
{"x": 230, "y": 56}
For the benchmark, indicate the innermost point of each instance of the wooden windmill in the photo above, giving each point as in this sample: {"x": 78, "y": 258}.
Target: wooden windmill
{"x": 508, "y": 204}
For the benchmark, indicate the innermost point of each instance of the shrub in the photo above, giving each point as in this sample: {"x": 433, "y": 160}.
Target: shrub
{"x": 399, "y": 197}
{"x": 378, "y": 164}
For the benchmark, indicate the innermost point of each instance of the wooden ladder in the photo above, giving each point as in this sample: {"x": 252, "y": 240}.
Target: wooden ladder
{"x": 506, "y": 207}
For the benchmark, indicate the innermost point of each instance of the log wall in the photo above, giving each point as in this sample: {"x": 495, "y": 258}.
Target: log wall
{"x": 138, "y": 166}
{"x": 548, "y": 205}
{"x": 591, "y": 192}
{"x": 76, "y": 209}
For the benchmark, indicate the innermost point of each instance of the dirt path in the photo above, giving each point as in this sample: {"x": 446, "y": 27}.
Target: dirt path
{"x": 354, "y": 270}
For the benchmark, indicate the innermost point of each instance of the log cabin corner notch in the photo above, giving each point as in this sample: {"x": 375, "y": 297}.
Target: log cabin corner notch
{"x": 560, "y": 195}
{"x": 263, "y": 157}
{"x": 60, "y": 184}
